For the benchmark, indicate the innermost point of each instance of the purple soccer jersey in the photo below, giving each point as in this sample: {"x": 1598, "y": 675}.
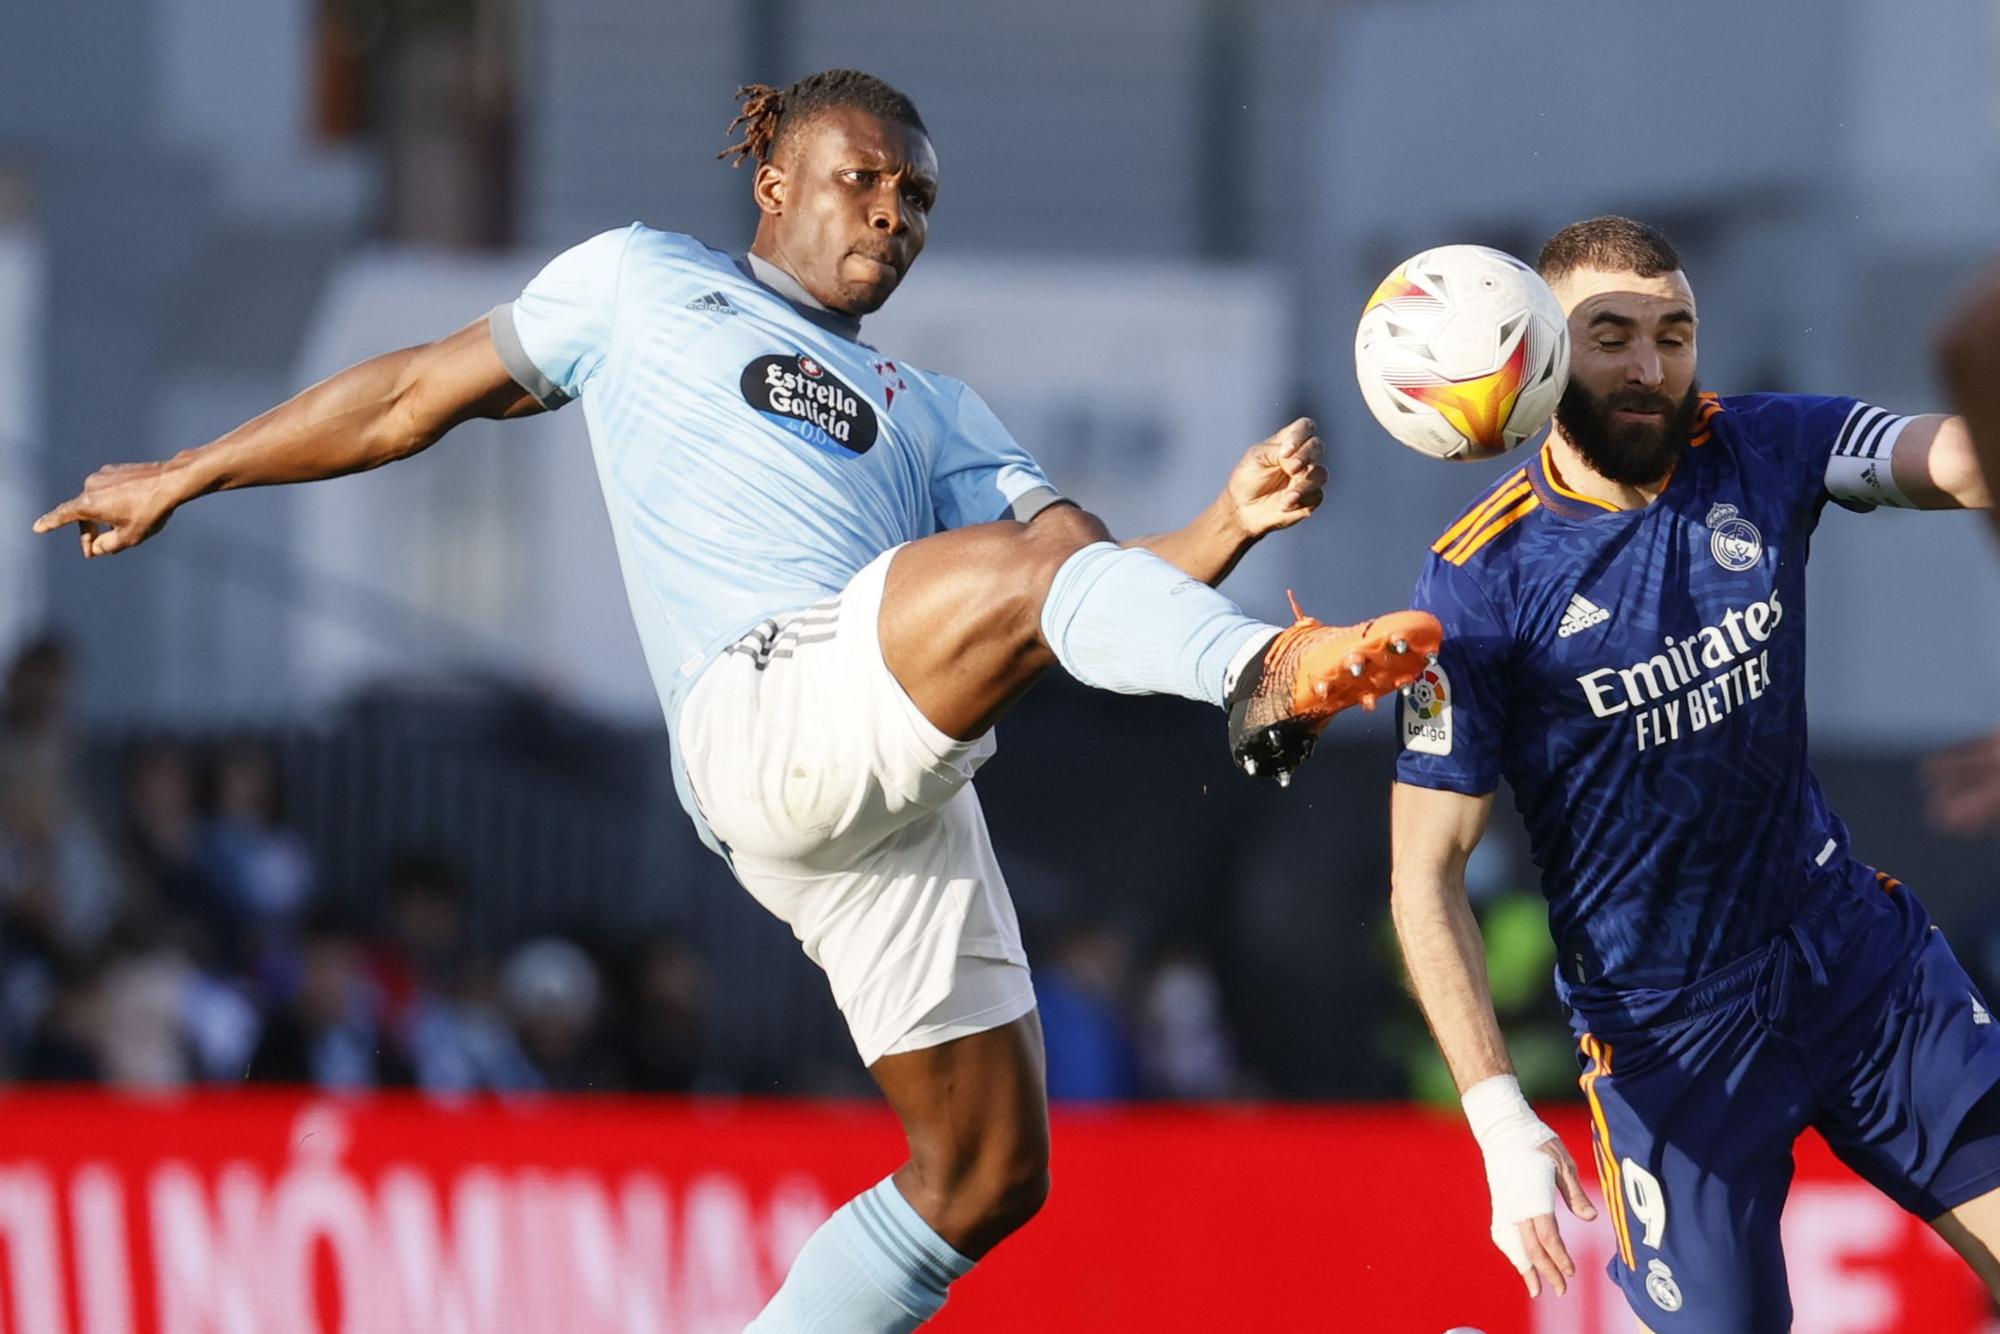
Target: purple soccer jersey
{"x": 1638, "y": 679}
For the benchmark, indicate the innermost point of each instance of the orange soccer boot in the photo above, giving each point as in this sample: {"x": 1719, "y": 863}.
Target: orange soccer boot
{"x": 1310, "y": 672}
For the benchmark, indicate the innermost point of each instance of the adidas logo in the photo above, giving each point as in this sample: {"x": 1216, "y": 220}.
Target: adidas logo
{"x": 1581, "y": 614}
{"x": 713, "y": 303}
{"x": 1979, "y": 1013}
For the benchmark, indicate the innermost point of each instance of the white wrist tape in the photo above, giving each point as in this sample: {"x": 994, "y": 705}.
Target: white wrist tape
{"x": 1519, "y": 1176}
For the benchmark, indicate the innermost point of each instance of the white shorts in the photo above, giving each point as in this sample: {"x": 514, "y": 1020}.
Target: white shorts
{"x": 853, "y": 820}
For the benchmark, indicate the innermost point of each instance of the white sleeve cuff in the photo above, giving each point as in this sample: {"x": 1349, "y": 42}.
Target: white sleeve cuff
{"x": 1858, "y": 472}
{"x": 507, "y": 341}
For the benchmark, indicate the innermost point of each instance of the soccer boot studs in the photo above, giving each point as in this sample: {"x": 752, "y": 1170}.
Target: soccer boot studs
{"x": 1310, "y": 672}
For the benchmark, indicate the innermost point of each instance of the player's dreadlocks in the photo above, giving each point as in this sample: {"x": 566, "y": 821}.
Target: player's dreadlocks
{"x": 1611, "y": 244}
{"x": 769, "y": 114}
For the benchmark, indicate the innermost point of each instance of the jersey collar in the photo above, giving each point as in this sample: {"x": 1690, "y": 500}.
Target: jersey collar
{"x": 1571, "y": 504}
{"x": 783, "y": 285}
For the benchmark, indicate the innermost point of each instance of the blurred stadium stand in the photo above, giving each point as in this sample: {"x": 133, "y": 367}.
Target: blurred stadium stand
{"x": 1199, "y": 936}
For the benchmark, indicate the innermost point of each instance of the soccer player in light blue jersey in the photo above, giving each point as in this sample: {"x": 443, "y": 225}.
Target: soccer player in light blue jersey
{"x": 1625, "y": 618}
{"x": 843, "y": 571}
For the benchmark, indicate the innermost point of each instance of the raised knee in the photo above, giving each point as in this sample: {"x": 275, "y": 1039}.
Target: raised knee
{"x": 1047, "y": 545}
{"x": 1068, "y": 526}
{"x": 1058, "y": 533}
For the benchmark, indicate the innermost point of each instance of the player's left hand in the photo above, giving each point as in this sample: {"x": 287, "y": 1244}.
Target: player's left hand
{"x": 1279, "y": 481}
{"x": 1963, "y": 787}
{"x": 1525, "y": 1186}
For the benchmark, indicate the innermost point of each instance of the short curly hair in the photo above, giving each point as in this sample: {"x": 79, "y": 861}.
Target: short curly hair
{"x": 1610, "y": 244}
{"x": 769, "y": 115}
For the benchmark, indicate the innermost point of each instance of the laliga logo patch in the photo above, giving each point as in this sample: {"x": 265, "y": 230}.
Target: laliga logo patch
{"x": 803, "y": 396}
{"x": 1660, "y": 1286}
{"x": 1733, "y": 540}
{"x": 1426, "y": 715}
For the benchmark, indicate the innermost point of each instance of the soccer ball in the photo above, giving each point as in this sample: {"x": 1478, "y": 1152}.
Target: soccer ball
{"x": 1462, "y": 353}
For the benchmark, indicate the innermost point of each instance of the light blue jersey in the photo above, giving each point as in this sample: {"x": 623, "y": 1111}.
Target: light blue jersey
{"x": 754, "y": 454}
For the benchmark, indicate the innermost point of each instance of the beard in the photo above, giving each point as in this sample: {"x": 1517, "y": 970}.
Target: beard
{"x": 1630, "y": 453}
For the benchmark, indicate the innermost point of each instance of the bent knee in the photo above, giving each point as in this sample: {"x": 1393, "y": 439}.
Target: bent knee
{"x": 1019, "y": 587}
{"x": 1002, "y": 1199}
{"x": 1052, "y": 537}
{"x": 1067, "y": 526}
{"x": 1024, "y": 1190}
{"x": 989, "y": 1192}
{"x": 990, "y": 582}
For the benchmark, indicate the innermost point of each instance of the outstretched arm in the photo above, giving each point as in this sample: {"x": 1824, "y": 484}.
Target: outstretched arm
{"x": 1964, "y": 782}
{"x": 383, "y": 409}
{"x": 1936, "y": 467}
{"x": 1433, "y": 834}
{"x": 1969, "y": 356}
{"x": 1277, "y": 483}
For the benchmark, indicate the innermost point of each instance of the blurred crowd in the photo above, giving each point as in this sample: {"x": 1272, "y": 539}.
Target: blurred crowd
{"x": 178, "y": 933}
{"x": 169, "y": 926}
{"x": 183, "y": 936}
{"x": 1118, "y": 1025}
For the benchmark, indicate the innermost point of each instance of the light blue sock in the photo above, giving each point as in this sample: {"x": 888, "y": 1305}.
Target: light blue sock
{"x": 1120, "y": 618}
{"x": 875, "y": 1267}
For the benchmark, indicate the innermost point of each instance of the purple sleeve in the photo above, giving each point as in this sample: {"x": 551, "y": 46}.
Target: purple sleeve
{"x": 1825, "y": 447}
{"x": 1452, "y": 721}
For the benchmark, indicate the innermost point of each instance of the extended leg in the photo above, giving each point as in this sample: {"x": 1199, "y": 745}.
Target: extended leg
{"x": 970, "y": 619}
{"x": 961, "y": 614}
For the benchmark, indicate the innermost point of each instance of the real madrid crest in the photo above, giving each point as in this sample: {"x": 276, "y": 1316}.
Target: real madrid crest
{"x": 1733, "y": 540}
{"x": 1660, "y": 1285}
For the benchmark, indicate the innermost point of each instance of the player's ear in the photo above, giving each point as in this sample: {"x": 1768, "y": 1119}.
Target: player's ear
{"x": 768, "y": 188}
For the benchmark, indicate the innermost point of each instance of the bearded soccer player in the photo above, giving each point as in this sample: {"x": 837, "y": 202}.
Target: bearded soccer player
{"x": 843, "y": 571}
{"x": 1625, "y": 645}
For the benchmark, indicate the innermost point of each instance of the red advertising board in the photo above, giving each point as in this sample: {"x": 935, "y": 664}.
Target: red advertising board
{"x": 269, "y": 1214}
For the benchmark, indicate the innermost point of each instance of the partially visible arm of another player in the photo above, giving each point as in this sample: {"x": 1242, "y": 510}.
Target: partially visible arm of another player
{"x": 381, "y": 410}
{"x": 1964, "y": 781}
{"x": 1936, "y": 465}
{"x": 1969, "y": 355}
{"x": 1278, "y": 482}
{"x": 1433, "y": 833}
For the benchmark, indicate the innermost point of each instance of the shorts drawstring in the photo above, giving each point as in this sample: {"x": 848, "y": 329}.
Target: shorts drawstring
{"x": 1772, "y": 995}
